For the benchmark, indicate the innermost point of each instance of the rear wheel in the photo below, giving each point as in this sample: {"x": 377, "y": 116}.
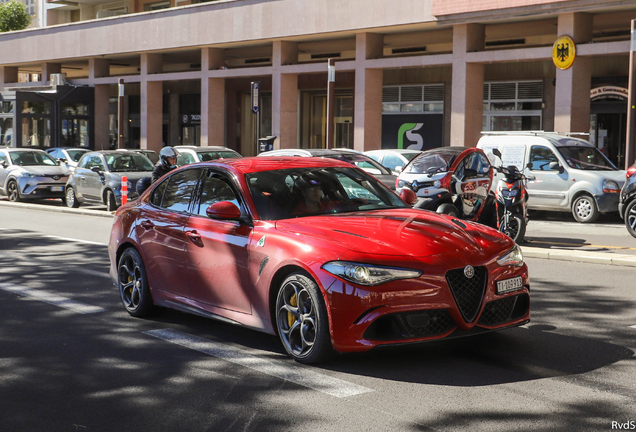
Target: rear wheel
{"x": 133, "y": 284}
{"x": 630, "y": 218}
{"x": 584, "y": 209}
{"x": 301, "y": 320}
{"x": 71, "y": 199}
{"x": 13, "y": 191}
{"x": 514, "y": 227}
{"x": 111, "y": 202}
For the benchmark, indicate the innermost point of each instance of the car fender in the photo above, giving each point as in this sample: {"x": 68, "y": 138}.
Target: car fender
{"x": 581, "y": 187}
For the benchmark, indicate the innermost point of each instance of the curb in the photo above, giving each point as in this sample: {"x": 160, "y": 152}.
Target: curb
{"x": 100, "y": 213}
{"x": 580, "y": 256}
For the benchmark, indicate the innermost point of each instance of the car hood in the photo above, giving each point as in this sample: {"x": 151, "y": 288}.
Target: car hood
{"x": 45, "y": 170}
{"x": 407, "y": 232}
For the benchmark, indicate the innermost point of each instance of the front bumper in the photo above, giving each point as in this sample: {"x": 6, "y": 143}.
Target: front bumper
{"x": 423, "y": 309}
{"x": 607, "y": 202}
{"x": 42, "y": 187}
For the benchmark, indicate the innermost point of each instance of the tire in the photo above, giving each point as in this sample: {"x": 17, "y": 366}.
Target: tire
{"x": 630, "y": 218}
{"x": 133, "y": 284}
{"x": 110, "y": 201}
{"x": 516, "y": 228}
{"x": 448, "y": 209}
{"x": 584, "y": 209}
{"x": 302, "y": 321}
{"x": 71, "y": 199}
{"x": 13, "y": 191}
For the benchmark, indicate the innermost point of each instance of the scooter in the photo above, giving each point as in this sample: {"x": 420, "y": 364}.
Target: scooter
{"x": 511, "y": 197}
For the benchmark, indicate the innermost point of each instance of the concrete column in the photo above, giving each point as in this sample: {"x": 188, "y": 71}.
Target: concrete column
{"x": 8, "y": 75}
{"x": 467, "y": 100}
{"x": 572, "y": 93}
{"x": 151, "y": 103}
{"x": 98, "y": 68}
{"x": 175, "y": 125}
{"x": 284, "y": 96}
{"x": 102, "y": 117}
{"x": 48, "y": 69}
{"x": 213, "y": 101}
{"x": 367, "y": 123}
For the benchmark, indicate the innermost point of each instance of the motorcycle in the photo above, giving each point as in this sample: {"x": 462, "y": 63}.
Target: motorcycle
{"x": 510, "y": 200}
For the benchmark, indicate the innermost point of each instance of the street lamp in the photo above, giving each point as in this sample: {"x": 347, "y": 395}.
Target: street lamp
{"x": 120, "y": 114}
{"x": 331, "y": 100}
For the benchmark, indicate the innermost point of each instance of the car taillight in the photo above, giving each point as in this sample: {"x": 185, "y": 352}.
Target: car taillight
{"x": 631, "y": 171}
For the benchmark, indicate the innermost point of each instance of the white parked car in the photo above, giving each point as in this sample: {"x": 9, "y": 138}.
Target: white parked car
{"x": 393, "y": 159}
{"x": 192, "y": 154}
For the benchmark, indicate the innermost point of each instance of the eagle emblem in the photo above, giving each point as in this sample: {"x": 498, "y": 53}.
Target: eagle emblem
{"x": 563, "y": 51}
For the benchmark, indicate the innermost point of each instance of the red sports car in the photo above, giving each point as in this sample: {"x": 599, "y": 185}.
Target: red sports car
{"x": 315, "y": 250}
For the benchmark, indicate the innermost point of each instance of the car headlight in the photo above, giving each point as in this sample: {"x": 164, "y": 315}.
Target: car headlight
{"x": 437, "y": 184}
{"x": 28, "y": 174}
{"x": 513, "y": 257}
{"x": 610, "y": 186}
{"x": 366, "y": 274}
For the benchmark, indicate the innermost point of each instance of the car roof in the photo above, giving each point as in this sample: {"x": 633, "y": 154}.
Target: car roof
{"x": 557, "y": 139}
{"x": 13, "y": 149}
{"x": 252, "y": 164}
{"x": 310, "y": 152}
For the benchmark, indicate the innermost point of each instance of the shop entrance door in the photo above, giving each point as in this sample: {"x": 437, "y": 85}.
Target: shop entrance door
{"x": 314, "y": 120}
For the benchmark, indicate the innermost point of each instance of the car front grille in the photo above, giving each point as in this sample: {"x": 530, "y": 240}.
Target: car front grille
{"x": 410, "y": 325}
{"x": 467, "y": 292}
{"x": 504, "y": 310}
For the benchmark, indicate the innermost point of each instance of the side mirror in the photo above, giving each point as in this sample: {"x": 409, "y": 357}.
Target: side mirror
{"x": 95, "y": 169}
{"x": 223, "y": 210}
{"x": 529, "y": 165}
{"x": 555, "y": 166}
{"x": 408, "y": 196}
{"x": 4, "y": 164}
{"x": 496, "y": 152}
{"x": 61, "y": 160}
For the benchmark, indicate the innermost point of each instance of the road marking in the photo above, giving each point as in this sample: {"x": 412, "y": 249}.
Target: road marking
{"x": 579, "y": 245}
{"x": 633, "y": 326}
{"x": 75, "y": 240}
{"x": 301, "y": 375}
{"x": 53, "y": 299}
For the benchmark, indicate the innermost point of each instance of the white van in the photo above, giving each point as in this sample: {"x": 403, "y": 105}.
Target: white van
{"x": 564, "y": 173}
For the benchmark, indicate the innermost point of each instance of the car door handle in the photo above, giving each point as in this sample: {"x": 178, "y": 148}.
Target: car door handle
{"x": 147, "y": 224}
{"x": 82, "y": 177}
{"x": 194, "y": 236}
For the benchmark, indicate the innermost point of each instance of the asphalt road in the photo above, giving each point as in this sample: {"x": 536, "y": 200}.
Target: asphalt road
{"x": 71, "y": 359}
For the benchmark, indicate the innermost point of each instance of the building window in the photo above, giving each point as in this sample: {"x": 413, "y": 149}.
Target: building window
{"x": 513, "y": 106}
{"x": 156, "y": 6}
{"x": 413, "y": 99}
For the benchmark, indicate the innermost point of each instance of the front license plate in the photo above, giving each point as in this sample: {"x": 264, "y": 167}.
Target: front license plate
{"x": 57, "y": 188}
{"x": 507, "y": 285}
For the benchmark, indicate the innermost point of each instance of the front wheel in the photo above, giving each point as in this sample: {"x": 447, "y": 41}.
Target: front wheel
{"x": 13, "y": 191}
{"x": 111, "y": 202}
{"x": 630, "y": 218}
{"x": 514, "y": 226}
{"x": 584, "y": 209}
{"x": 302, "y": 321}
{"x": 71, "y": 199}
{"x": 133, "y": 284}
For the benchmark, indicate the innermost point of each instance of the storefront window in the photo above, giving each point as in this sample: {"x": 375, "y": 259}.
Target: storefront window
{"x": 513, "y": 106}
{"x": 74, "y": 133}
{"x": 6, "y": 107}
{"x": 33, "y": 107}
{"x": 6, "y": 132}
{"x": 36, "y": 132}
{"x": 413, "y": 98}
{"x": 74, "y": 109}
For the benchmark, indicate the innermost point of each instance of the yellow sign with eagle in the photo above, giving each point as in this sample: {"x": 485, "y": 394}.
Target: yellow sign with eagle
{"x": 563, "y": 52}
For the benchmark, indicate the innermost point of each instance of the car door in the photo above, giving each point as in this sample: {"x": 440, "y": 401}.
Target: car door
{"x": 93, "y": 181}
{"x": 547, "y": 185}
{"x": 161, "y": 231}
{"x": 4, "y": 172}
{"x": 217, "y": 253}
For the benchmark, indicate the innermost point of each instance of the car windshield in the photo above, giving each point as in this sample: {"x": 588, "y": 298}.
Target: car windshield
{"x": 216, "y": 154}
{"x": 75, "y": 155}
{"x": 31, "y": 158}
{"x": 185, "y": 159}
{"x": 281, "y": 194}
{"x": 586, "y": 158}
{"x": 362, "y": 161}
{"x": 429, "y": 162}
{"x": 128, "y": 162}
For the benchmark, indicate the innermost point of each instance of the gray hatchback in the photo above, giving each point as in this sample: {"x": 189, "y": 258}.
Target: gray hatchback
{"x": 98, "y": 177}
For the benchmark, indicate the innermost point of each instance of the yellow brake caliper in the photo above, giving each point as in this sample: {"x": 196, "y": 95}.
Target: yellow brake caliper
{"x": 290, "y": 317}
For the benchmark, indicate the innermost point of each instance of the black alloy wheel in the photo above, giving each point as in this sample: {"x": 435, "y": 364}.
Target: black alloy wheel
{"x": 630, "y": 218}
{"x": 301, "y": 320}
{"x": 13, "y": 191}
{"x": 133, "y": 284}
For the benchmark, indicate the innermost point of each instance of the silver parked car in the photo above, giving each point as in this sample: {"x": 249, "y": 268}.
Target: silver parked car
{"x": 68, "y": 156}
{"x": 27, "y": 174}
{"x": 98, "y": 177}
{"x": 393, "y": 159}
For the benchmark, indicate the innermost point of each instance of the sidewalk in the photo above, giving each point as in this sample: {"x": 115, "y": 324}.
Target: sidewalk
{"x": 548, "y": 252}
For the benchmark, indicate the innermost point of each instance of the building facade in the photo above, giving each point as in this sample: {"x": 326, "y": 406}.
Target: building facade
{"x": 409, "y": 73}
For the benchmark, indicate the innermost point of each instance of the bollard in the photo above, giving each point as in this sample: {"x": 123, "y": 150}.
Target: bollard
{"x": 124, "y": 190}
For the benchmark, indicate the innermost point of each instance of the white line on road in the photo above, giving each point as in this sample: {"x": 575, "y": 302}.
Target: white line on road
{"x": 300, "y": 375}
{"x": 632, "y": 326}
{"x": 76, "y": 240}
{"x": 53, "y": 299}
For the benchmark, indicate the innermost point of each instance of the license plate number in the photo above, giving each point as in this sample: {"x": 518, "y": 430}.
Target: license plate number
{"x": 57, "y": 188}
{"x": 508, "y": 285}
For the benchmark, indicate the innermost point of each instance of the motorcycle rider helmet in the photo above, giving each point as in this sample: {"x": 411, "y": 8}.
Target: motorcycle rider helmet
{"x": 166, "y": 153}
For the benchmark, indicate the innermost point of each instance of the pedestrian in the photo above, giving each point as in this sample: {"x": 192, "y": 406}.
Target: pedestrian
{"x": 167, "y": 162}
